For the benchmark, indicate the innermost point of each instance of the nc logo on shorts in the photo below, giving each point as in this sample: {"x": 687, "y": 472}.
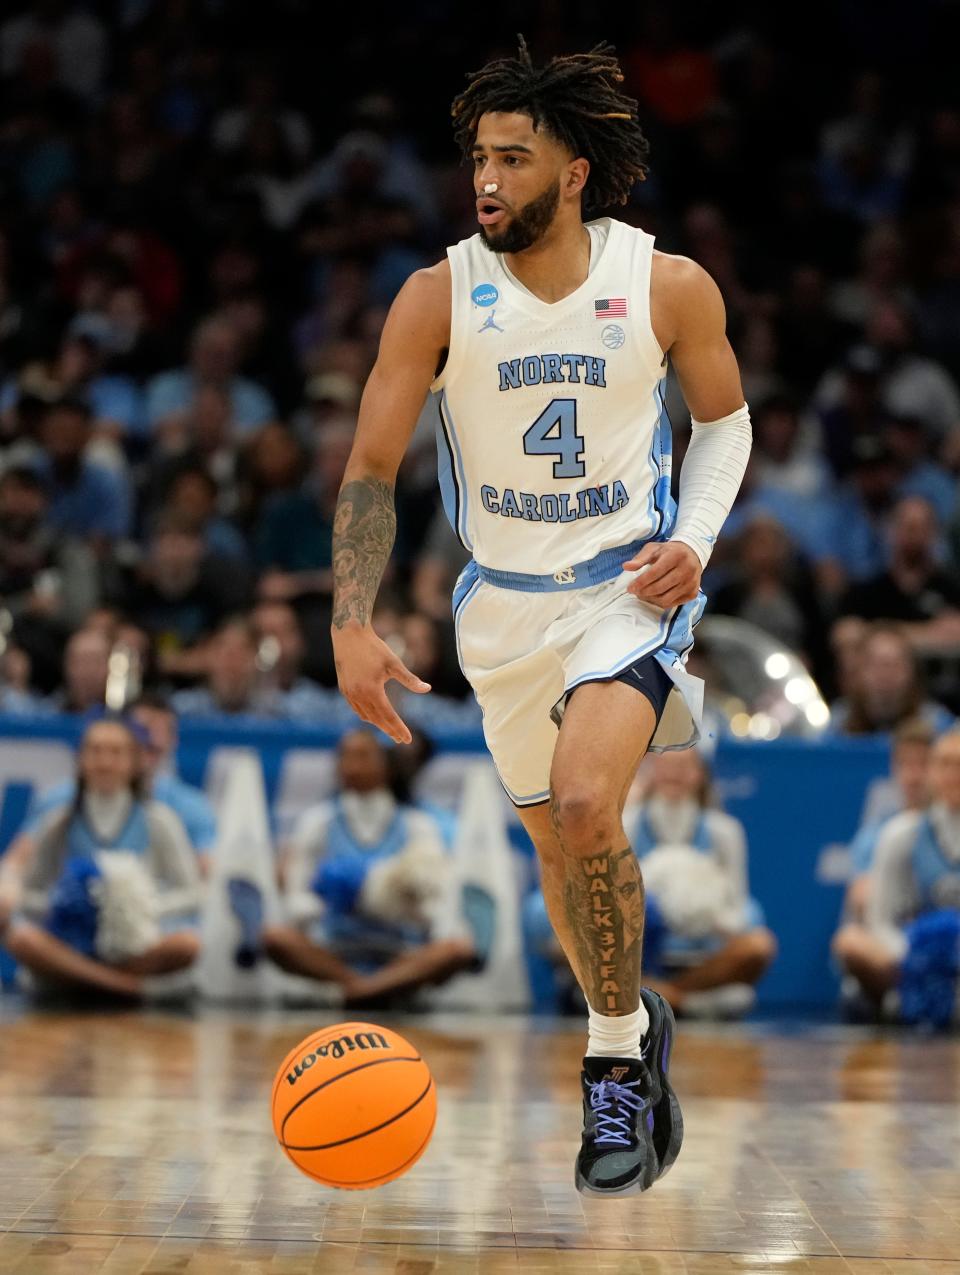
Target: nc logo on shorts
{"x": 613, "y": 336}
{"x": 567, "y": 576}
{"x": 485, "y": 294}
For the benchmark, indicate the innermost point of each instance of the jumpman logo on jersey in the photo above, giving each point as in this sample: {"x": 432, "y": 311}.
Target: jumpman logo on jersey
{"x": 491, "y": 323}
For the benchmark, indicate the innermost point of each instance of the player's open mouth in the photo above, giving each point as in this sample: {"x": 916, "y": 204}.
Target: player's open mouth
{"x": 488, "y": 212}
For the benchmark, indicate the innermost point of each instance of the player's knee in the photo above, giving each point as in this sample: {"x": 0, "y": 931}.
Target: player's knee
{"x": 585, "y": 810}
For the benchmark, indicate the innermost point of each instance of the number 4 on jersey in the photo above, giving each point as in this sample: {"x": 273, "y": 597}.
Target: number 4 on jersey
{"x": 560, "y": 414}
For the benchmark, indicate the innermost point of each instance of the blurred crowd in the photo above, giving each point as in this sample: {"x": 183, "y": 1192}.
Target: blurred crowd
{"x": 200, "y": 235}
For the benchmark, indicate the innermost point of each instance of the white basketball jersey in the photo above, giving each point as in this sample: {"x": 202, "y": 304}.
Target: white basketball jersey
{"x": 553, "y": 440}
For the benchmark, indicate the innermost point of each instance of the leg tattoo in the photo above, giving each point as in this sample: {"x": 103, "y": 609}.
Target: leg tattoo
{"x": 604, "y": 901}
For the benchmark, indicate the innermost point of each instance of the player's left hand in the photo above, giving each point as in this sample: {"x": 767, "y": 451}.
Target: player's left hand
{"x": 668, "y": 573}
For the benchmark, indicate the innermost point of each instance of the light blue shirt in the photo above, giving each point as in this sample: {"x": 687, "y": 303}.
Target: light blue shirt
{"x": 806, "y": 521}
{"x": 251, "y": 405}
{"x": 99, "y": 502}
{"x": 189, "y": 803}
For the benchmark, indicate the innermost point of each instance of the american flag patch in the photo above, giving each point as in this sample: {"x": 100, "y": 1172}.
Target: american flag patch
{"x": 610, "y": 308}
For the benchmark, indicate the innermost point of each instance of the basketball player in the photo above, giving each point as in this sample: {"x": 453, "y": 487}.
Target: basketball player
{"x": 546, "y": 341}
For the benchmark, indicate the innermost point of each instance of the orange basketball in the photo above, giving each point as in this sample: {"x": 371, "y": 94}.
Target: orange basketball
{"x": 354, "y": 1105}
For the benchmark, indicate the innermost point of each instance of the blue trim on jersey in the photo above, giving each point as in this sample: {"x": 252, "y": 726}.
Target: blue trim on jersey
{"x": 448, "y": 491}
{"x": 680, "y": 637}
{"x": 663, "y": 444}
{"x": 607, "y": 564}
{"x": 456, "y": 474}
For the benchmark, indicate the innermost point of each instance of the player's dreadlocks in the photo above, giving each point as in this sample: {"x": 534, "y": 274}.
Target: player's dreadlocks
{"x": 576, "y": 99}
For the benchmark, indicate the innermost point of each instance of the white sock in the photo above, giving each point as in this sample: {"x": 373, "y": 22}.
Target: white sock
{"x": 617, "y": 1037}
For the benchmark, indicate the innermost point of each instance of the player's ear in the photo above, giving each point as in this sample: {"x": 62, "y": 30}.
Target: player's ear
{"x": 578, "y": 170}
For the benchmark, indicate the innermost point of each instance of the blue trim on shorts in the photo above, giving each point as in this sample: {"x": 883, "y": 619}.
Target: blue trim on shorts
{"x": 658, "y": 643}
{"x": 607, "y": 565}
{"x": 466, "y": 580}
{"x": 537, "y": 799}
{"x": 688, "y": 614}
{"x": 464, "y": 591}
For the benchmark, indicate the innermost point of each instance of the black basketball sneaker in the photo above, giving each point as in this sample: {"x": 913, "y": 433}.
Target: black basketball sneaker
{"x": 617, "y": 1156}
{"x": 657, "y": 1044}
{"x": 632, "y": 1123}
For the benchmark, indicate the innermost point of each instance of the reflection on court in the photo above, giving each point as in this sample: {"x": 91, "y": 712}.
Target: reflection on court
{"x": 142, "y": 1143}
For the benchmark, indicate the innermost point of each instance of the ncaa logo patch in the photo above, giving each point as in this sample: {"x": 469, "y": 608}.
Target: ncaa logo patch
{"x": 613, "y": 336}
{"x": 485, "y": 294}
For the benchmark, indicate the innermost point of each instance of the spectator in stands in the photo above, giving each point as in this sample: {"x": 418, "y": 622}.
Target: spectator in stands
{"x": 108, "y": 891}
{"x": 849, "y": 403}
{"x": 905, "y": 789}
{"x": 806, "y": 520}
{"x": 157, "y": 735}
{"x": 911, "y": 444}
{"x": 861, "y": 510}
{"x": 773, "y": 588}
{"x": 86, "y": 498}
{"x": 914, "y": 385}
{"x": 179, "y": 593}
{"x": 213, "y": 360}
{"x": 888, "y": 689}
{"x": 847, "y": 636}
{"x": 235, "y": 684}
{"x": 270, "y": 466}
{"x": 912, "y": 924}
{"x": 784, "y": 459}
{"x": 85, "y": 667}
{"x": 281, "y": 649}
{"x": 366, "y": 883}
{"x": 192, "y": 498}
{"x": 43, "y": 572}
{"x": 78, "y": 371}
{"x": 295, "y": 535}
{"x": 916, "y": 588}
{"x": 68, "y": 39}
{"x": 16, "y": 697}
{"x": 260, "y": 99}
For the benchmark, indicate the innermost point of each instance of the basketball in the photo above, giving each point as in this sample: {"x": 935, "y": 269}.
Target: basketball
{"x": 354, "y": 1106}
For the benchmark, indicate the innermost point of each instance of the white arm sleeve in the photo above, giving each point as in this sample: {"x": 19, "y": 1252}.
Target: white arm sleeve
{"x": 710, "y": 479}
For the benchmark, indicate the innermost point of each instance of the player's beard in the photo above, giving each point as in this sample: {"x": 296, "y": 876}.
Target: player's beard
{"x": 526, "y": 226}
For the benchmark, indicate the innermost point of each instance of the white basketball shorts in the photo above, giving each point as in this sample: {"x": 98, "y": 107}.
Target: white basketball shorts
{"x": 523, "y": 652}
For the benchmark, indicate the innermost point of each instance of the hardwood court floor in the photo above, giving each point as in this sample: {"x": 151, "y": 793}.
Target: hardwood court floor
{"x": 142, "y": 1143}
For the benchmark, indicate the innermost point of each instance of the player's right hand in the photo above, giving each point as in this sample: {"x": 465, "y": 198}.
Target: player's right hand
{"x": 364, "y": 665}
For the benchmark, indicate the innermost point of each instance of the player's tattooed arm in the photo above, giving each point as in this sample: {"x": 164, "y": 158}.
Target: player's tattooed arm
{"x": 364, "y": 529}
{"x": 604, "y": 902}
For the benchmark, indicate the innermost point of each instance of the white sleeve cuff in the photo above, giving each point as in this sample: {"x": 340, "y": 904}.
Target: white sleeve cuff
{"x": 710, "y": 478}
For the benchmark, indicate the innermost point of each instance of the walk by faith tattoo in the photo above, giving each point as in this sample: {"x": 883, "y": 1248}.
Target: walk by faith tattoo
{"x": 605, "y": 908}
